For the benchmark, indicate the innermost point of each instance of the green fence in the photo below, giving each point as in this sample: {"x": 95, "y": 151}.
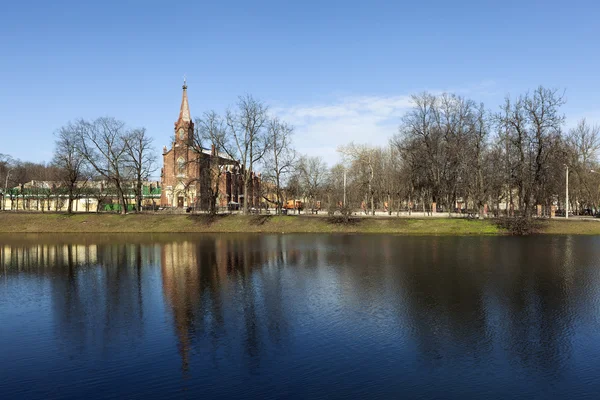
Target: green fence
{"x": 117, "y": 207}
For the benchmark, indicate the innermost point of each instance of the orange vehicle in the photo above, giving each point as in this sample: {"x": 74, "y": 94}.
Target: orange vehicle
{"x": 293, "y": 205}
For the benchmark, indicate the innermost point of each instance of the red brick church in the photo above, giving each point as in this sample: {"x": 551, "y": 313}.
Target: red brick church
{"x": 185, "y": 176}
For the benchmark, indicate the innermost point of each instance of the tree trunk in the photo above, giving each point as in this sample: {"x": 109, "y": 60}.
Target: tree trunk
{"x": 122, "y": 201}
{"x": 70, "y": 204}
{"x": 139, "y": 196}
{"x": 245, "y": 209}
{"x": 277, "y": 193}
{"x": 372, "y": 204}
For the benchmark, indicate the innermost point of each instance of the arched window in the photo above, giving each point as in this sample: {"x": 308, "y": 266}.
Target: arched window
{"x": 181, "y": 165}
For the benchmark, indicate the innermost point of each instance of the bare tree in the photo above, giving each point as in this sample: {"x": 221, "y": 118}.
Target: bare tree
{"x": 421, "y": 144}
{"x": 69, "y": 161}
{"x": 6, "y": 165}
{"x": 102, "y": 144}
{"x": 334, "y": 191}
{"x": 246, "y": 140}
{"x": 476, "y": 157}
{"x": 582, "y": 145}
{"x": 280, "y": 157}
{"x": 140, "y": 159}
{"x": 211, "y": 132}
{"x": 585, "y": 140}
{"x": 313, "y": 174}
{"x": 532, "y": 125}
{"x": 363, "y": 161}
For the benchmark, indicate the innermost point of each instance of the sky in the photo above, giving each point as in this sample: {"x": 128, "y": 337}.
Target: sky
{"x": 339, "y": 71}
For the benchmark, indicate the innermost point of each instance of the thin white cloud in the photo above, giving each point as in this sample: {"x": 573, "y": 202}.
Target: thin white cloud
{"x": 320, "y": 129}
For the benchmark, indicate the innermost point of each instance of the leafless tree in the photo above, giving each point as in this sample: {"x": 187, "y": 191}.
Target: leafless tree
{"x": 477, "y": 149}
{"x": 140, "y": 159}
{"x": 334, "y": 190}
{"x": 532, "y": 126}
{"x": 69, "y": 161}
{"x": 211, "y": 133}
{"x": 246, "y": 140}
{"x": 101, "y": 143}
{"x": 313, "y": 174}
{"x": 6, "y": 165}
{"x": 582, "y": 145}
{"x": 433, "y": 144}
{"x": 585, "y": 140}
{"x": 420, "y": 142}
{"x": 363, "y": 160}
{"x": 280, "y": 157}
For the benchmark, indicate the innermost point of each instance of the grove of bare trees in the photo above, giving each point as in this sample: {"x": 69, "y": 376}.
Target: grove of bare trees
{"x": 103, "y": 151}
{"x": 450, "y": 153}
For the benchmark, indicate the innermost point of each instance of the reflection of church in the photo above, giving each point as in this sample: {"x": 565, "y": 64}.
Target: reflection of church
{"x": 186, "y": 177}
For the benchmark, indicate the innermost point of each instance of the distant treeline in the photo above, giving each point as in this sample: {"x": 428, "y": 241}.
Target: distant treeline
{"x": 449, "y": 150}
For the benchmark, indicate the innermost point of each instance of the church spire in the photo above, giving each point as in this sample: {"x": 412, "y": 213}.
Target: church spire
{"x": 184, "y": 112}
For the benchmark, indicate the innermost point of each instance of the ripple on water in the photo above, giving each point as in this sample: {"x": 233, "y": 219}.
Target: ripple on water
{"x": 300, "y": 316}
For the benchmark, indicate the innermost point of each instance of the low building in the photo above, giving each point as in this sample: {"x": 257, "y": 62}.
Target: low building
{"x": 90, "y": 196}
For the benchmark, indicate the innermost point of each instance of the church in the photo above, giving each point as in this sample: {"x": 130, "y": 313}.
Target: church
{"x": 186, "y": 178}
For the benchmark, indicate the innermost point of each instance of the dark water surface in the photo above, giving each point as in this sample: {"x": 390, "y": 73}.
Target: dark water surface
{"x": 299, "y": 316}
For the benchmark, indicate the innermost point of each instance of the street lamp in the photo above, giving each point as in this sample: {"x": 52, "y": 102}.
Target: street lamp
{"x": 6, "y": 181}
{"x": 567, "y": 192}
{"x": 344, "y": 204}
{"x": 5, "y": 189}
{"x": 595, "y": 172}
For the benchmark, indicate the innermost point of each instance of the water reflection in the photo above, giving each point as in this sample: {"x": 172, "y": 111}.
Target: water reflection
{"x": 465, "y": 313}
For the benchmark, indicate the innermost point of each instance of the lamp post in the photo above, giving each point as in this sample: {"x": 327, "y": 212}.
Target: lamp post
{"x": 594, "y": 172}
{"x": 5, "y": 189}
{"x": 344, "y": 188}
{"x": 567, "y": 192}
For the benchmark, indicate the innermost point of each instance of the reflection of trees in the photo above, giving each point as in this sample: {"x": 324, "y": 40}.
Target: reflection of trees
{"x": 461, "y": 298}
{"x": 466, "y": 295}
{"x": 44, "y": 258}
{"x": 218, "y": 285}
{"x": 233, "y": 297}
{"x": 96, "y": 289}
{"x": 534, "y": 295}
{"x": 444, "y": 295}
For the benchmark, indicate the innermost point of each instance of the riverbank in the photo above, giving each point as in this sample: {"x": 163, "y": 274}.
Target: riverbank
{"x": 160, "y": 223}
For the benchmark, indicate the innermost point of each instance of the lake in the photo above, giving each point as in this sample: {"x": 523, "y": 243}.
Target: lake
{"x": 299, "y": 316}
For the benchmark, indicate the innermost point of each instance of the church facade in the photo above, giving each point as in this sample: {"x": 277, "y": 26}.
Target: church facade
{"x": 186, "y": 178}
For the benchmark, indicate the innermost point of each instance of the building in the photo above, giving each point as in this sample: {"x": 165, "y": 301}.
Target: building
{"x": 89, "y": 196}
{"x": 189, "y": 174}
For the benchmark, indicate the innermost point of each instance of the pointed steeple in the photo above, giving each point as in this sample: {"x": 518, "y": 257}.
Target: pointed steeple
{"x": 184, "y": 112}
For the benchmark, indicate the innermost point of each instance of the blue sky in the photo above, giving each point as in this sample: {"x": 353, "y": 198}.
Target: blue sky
{"x": 337, "y": 70}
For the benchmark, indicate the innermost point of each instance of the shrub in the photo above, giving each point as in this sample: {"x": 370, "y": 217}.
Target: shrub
{"x": 520, "y": 225}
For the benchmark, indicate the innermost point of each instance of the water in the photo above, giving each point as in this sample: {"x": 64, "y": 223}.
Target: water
{"x": 299, "y": 316}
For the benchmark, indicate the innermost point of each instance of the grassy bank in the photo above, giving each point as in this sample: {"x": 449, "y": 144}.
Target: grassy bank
{"x": 157, "y": 223}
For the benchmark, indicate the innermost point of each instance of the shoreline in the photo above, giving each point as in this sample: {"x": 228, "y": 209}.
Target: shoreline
{"x": 37, "y": 222}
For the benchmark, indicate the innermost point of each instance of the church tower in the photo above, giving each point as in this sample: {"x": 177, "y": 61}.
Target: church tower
{"x": 184, "y": 127}
{"x": 180, "y": 171}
